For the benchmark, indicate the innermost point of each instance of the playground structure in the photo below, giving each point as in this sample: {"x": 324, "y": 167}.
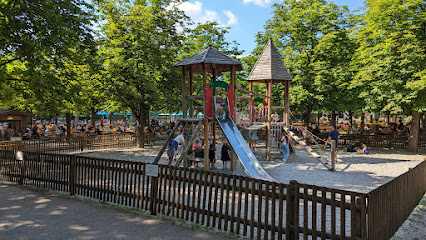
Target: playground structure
{"x": 268, "y": 69}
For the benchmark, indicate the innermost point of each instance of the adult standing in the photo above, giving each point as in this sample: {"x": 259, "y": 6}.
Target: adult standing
{"x": 333, "y": 135}
{"x": 10, "y": 132}
{"x": 1, "y": 131}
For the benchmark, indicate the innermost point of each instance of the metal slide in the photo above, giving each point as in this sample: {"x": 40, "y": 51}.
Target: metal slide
{"x": 242, "y": 149}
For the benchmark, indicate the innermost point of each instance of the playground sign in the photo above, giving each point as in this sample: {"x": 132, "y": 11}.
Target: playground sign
{"x": 151, "y": 170}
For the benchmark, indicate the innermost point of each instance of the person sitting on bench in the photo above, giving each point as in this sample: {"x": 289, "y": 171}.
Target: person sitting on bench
{"x": 197, "y": 147}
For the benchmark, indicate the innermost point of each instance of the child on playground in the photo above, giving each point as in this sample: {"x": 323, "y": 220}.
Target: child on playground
{"x": 212, "y": 154}
{"x": 225, "y": 154}
{"x": 197, "y": 147}
{"x": 179, "y": 140}
{"x": 285, "y": 146}
{"x": 170, "y": 153}
{"x": 364, "y": 149}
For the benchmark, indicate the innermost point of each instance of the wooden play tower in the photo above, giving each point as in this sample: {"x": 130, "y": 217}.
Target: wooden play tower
{"x": 209, "y": 62}
{"x": 270, "y": 69}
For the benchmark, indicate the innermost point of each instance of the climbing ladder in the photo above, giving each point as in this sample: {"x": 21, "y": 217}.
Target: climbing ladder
{"x": 189, "y": 125}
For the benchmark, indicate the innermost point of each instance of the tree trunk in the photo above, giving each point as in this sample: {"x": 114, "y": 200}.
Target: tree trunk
{"x": 362, "y": 122}
{"x": 413, "y": 140}
{"x": 376, "y": 123}
{"x": 351, "y": 115}
{"x": 93, "y": 117}
{"x": 68, "y": 119}
{"x": 141, "y": 122}
{"x": 333, "y": 119}
{"x": 307, "y": 118}
{"x": 110, "y": 117}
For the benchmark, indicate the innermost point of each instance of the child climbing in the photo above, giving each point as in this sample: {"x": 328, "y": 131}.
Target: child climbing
{"x": 178, "y": 140}
{"x": 285, "y": 146}
{"x": 170, "y": 153}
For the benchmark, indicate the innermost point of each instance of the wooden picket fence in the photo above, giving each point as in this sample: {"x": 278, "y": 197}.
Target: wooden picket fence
{"x": 63, "y": 145}
{"x": 388, "y": 141}
{"x": 391, "y": 204}
{"x": 250, "y": 207}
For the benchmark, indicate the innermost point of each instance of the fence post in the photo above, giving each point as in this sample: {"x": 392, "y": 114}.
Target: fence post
{"x": 154, "y": 194}
{"x": 20, "y": 158}
{"x": 333, "y": 154}
{"x": 358, "y": 217}
{"x": 293, "y": 212}
{"x": 72, "y": 181}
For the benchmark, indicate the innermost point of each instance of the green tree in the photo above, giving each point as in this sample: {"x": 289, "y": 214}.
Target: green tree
{"x": 301, "y": 31}
{"x": 38, "y": 40}
{"x": 142, "y": 42}
{"x": 391, "y": 59}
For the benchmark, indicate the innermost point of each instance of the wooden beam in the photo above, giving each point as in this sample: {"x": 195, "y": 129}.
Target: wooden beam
{"x": 269, "y": 112}
{"x": 286, "y": 112}
{"x": 234, "y": 83}
{"x": 251, "y": 106}
{"x": 163, "y": 148}
{"x": 255, "y": 93}
{"x": 188, "y": 144}
{"x": 206, "y": 121}
{"x": 194, "y": 97}
{"x": 184, "y": 91}
{"x": 309, "y": 149}
{"x": 191, "y": 92}
{"x": 189, "y": 120}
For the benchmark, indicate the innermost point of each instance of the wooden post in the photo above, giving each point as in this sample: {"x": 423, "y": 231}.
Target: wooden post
{"x": 269, "y": 112}
{"x": 251, "y": 111}
{"x": 72, "y": 182}
{"x": 184, "y": 92}
{"x": 292, "y": 210}
{"x": 154, "y": 194}
{"x": 233, "y": 82}
{"x": 206, "y": 121}
{"x": 251, "y": 102}
{"x": 191, "y": 93}
{"x": 358, "y": 217}
{"x": 333, "y": 154}
{"x": 214, "y": 122}
{"x": 20, "y": 157}
{"x": 286, "y": 113}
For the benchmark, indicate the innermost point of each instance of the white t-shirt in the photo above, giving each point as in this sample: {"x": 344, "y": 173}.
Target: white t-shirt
{"x": 180, "y": 139}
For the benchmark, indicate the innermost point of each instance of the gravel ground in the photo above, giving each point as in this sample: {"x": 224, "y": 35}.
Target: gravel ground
{"x": 354, "y": 172}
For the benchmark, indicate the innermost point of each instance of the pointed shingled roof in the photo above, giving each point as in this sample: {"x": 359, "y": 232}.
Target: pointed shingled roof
{"x": 269, "y": 66}
{"x": 213, "y": 58}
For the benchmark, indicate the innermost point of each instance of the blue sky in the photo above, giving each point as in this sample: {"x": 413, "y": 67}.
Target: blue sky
{"x": 245, "y": 17}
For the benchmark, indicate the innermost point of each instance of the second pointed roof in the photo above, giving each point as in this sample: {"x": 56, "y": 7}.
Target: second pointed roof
{"x": 269, "y": 66}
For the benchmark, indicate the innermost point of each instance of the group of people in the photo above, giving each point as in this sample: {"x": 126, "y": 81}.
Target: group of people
{"x": 334, "y": 135}
{"x": 198, "y": 147}
{"x": 6, "y": 131}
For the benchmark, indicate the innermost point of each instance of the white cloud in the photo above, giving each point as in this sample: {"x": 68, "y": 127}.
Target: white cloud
{"x": 260, "y": 3}
{"x": 199, "y": 14}
{"x": 231, "y": 18}
{"x": 208, "y": 16}
{"x": 191, "y": 9}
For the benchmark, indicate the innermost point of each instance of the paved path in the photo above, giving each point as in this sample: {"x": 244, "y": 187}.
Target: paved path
{"x": 32, "y": 215}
